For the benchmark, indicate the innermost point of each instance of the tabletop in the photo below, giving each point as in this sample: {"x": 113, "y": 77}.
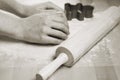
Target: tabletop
{"x": 20, "y": 61}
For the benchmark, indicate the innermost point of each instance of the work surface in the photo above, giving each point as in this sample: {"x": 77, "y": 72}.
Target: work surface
{"x": 20, "y": 61}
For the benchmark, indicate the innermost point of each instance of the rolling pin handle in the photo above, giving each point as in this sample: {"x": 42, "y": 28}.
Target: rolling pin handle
{"x": 52, "y": 67}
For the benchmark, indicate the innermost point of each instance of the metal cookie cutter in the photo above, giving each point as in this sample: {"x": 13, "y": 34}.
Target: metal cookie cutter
{"x": 68, "y": 11}
{"x": 78, "y": 11}
{"x": 87, "y": 11}
{"x": 74, "y": 11}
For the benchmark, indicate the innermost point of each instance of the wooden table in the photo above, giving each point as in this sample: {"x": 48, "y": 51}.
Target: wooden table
{"x": 20, "y": 61}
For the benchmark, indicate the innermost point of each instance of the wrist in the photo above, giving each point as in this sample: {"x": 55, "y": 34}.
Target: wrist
{"x": 17, "y": 30}
{"x": 9, "y": 24}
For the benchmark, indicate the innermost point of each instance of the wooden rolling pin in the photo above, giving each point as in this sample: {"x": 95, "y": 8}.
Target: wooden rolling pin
{"x": 74, "y": 48}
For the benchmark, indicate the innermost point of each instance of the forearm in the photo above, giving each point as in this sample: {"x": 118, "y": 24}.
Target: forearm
{"x": 28, "y": 10}
{"x": 18, "y": 7}
{"x": 40, "y": 28}
{"x": 8, "y": 24}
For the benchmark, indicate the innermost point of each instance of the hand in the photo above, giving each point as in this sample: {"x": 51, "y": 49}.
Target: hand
{"x": 48, "y": 27}
{"x": 30, "y": 10}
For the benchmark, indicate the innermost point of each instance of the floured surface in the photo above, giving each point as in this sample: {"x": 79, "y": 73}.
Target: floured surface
{"x": 20, "y": 61}
{"x": 19, "y": 57}
{"x": 101, "y": 63}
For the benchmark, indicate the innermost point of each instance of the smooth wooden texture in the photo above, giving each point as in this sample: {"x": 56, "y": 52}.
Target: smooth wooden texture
{"x": 100, "y": 63}
{"x": 21, "y": 61}
{"x": 94, "y": 31}
{"x": 48, "y": 70}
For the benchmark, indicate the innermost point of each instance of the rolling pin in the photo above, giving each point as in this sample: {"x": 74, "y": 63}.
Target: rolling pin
{"x": 70, "y": 51}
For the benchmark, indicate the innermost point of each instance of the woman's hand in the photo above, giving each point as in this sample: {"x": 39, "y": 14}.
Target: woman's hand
{"x": 47, "y": 27}
{"x": 30, "y": 10}
{"x": 26, "y": 10}
{"x": 45, "y": 23}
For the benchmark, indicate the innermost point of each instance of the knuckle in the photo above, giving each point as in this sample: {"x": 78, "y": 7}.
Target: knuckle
{"x": 41, "y": 30}
{"x": 64, "y": 36}
{"x": 44, "y": 29}
{"x": 42, "y": 38}
{"x": 62, "y": 27}
{"x": 61, "y": 34}
{"x": 66, "y": 29}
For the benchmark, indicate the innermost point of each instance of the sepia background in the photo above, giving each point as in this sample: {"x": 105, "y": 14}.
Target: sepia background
{"x": 20, "y": 61}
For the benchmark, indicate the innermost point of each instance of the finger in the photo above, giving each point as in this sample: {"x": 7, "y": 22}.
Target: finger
{"x": 53, "y": 13}
{"x": 51, "y": 40}
{"x": 52, "y": 5}
{"x": 65, "y": 18}
{"x": 60, "y": 27}
{"x": 57, "y": 34}
{"x": 56, "y": 16}
{"x": 58, "y": 19}
{"x": 62, "y": 15}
